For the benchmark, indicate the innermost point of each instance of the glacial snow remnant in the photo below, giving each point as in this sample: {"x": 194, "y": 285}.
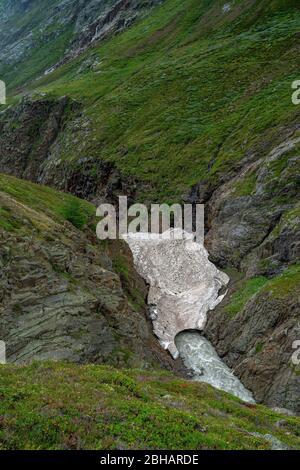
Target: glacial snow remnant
{"x": 183, "y": 284}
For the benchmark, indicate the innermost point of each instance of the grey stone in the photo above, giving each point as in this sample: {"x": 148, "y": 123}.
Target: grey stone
{"x": 61, "y": 300}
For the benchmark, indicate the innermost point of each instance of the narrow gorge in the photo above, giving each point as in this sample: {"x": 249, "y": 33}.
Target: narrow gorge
{"x": 184, "y": 287}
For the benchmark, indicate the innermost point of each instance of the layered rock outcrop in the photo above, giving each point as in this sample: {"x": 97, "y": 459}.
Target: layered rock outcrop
{"x": 61, "y": 297}
{"x": 259, "y": 344}
{"x": 253, "y": 226}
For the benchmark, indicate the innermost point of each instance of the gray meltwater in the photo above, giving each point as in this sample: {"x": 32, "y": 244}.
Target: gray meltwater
{"x": 201, "y": 358}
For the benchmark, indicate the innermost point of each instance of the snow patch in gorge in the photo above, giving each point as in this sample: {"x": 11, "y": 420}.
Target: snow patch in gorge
{"x": 183, "y": 284}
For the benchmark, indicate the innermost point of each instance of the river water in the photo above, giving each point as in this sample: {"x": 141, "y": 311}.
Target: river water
{"x": 201, "y": 358}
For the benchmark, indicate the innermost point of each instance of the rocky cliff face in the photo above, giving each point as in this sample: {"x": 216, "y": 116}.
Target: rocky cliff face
{"x": 33, "y": 136}
{"x": 257, "y": 343}
{"x": 63, "y": 295}
{"x": 67, "y": 26}
{"x": 259, "y": 234}
{"x": 27, "y": 133}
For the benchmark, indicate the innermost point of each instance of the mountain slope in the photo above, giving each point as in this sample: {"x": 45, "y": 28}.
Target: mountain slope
{"x": 175, "y": 100}
{"x": 190, "y": 104}
{"x": 35, "y": 35}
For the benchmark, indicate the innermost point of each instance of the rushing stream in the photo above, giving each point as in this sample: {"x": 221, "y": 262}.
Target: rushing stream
{"x": 183, "y": 287}
{"x": 201, "y": 358}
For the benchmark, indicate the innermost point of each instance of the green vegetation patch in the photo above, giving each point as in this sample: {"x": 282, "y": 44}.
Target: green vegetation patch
{"x": 284, "y": 284}
{"x": 61, "y": 206}
{"x": 179, "y": 98}
{"x": 247, "y": 289}
{"x": 182, "y": 96}
{"x": 65, "y": 406}
{"x": 279, "y": 287}
{"x": 7, "y": 220}
{"x": 74, "y": 212}
{"x": 246, "y": 186}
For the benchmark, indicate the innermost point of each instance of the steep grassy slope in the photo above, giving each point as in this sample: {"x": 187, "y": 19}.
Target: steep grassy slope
{"x": 46, "y": 201}
{"x": 30, "y": 41}
{"x": 35, "y": 35}
{"x": 187, "y": 93}
{"x": 60, "y": 406}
